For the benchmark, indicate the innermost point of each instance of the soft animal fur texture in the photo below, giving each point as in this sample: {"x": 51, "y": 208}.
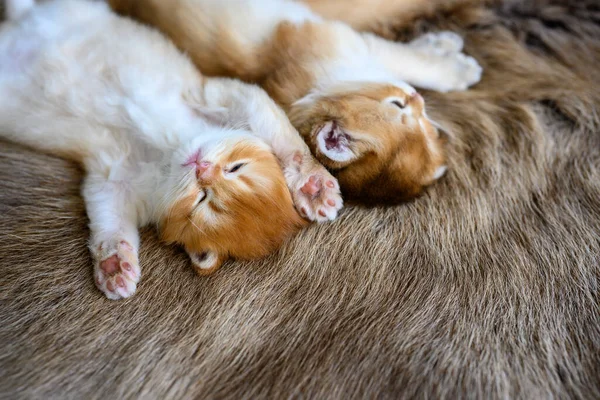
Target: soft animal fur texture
{"x": 487, "y": 287}
{"x": 345, "y": 91}
{"x": 150, "y": 137}
{"x": 373, "y": 14}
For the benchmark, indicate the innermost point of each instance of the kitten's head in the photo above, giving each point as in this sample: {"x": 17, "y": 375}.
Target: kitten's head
{"x": 226, "y": 197}
{"x": 376, "y": 139}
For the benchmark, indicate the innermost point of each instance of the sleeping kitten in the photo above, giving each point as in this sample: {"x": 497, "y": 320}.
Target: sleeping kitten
{"x": 80, "y": 82}
{"x": 345, "y": 91}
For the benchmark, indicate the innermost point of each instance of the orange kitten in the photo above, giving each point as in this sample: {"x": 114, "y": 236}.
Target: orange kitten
{"x": 346, "y": 92}
{"x": 200, "y": 158}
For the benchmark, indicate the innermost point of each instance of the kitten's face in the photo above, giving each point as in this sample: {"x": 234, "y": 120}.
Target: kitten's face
{"x": 376, "y": 139}
{"x": 228, "y": 198}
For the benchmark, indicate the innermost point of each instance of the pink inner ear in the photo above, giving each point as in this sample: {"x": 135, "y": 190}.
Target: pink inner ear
{"x": 199, "y": 257}
{"x": 332, "y": 141}
{"x": 334, "y": 138}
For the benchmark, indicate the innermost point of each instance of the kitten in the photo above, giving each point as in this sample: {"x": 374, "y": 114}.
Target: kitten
{"x": 345, "y": 91}
{"x": 78, "y": 81}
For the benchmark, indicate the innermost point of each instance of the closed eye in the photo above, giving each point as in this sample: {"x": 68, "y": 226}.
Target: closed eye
{"x": 236, "y": 168}
{"x": 398, "y": 104}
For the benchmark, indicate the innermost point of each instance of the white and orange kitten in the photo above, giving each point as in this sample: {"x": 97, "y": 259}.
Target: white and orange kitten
{"x": 200, "y": 158}
{"x": 348, "y": 93}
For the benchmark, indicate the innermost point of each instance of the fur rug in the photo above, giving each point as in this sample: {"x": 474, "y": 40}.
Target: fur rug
{"x": 486, "y": 287}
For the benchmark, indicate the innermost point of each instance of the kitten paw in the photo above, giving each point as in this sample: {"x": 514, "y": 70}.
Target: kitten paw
{"x": 464, "y": 71}
{"x": 443, "y": 49}
{"x": 439, "y": 43}
{"x": 315, "y": 192}
{"x": 117, "y": 269}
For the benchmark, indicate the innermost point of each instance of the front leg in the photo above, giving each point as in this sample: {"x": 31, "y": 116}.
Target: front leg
{"x": 315, "y": 191}
{"x": 114, "y": 238}
{"x": 433, "y": 61}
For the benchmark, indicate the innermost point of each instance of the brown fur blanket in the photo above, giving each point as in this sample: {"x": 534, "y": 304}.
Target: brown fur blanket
{"x": 486, "y": 287}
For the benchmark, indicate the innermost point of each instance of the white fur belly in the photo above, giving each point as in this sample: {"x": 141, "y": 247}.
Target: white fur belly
{"x": 22, "y": 41}
{"x": 17, "y": 58}
{"x": 77, "y": 78}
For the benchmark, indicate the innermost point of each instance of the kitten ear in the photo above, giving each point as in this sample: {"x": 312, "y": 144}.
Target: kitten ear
{"x": 443, "y": 136}
{"x": 439, "y": 172}
{"x": 334, "y": 143}
{"x": 205, "y": 262}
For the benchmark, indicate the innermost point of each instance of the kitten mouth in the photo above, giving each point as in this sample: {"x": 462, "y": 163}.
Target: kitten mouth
{"x": 192, "y": 160}
{"x": 334, "y": 138}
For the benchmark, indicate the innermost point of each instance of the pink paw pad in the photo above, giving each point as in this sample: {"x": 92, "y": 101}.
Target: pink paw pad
{"x": 312, "y": 187}
{"x": 118, "y": 274}
{"x": 315, "y": 192}
{"x": 120, "y": 282}
{"x": 110, "y": 265}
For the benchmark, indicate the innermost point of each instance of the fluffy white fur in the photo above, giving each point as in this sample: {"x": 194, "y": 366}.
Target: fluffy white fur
{"x": 77, "y": 80}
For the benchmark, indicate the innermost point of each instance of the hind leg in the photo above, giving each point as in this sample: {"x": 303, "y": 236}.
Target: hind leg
{"x": 433, "y": 61}
{"x": 441, "y": 43}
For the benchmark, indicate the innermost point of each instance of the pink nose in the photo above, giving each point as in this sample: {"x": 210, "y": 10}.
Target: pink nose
{"x": 204, "y": 169}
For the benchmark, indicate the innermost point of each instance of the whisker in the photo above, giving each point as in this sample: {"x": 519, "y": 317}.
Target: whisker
{"x": 195, "y": 226}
